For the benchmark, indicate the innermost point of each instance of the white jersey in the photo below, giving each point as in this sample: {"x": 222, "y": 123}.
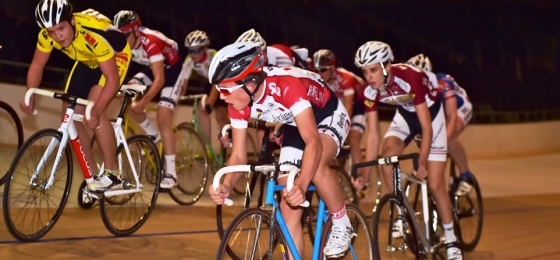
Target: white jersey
{"x": 201, "y": 68}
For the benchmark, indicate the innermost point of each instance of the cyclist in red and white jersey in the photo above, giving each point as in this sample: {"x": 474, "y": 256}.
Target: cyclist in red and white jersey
{"x": 347, "y": 86}
{"x": 278, "y": 55}
{"x": 197, "y": 62}
{"x": 458, "y": 111}
{"x": 161, "y": 57}
{"x": 419, "y": 111}
{"x": 315, "y": 126}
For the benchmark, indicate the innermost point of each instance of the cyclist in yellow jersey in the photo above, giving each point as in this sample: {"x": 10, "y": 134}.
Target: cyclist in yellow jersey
{"x": 102, "y": 58}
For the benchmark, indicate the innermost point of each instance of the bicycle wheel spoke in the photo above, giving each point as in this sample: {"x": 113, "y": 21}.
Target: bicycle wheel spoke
{"x": 30, "y": 210}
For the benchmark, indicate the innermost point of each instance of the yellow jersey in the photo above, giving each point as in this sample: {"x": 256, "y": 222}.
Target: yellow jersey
{"x": 95, "y": 39}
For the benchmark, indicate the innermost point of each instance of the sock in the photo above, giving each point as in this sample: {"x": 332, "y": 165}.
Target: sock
{"x": 170, "y": 165}
{"x": 449, "y": 234}
{"x": 340, "y": 217}
{"x": 149, "y": 128}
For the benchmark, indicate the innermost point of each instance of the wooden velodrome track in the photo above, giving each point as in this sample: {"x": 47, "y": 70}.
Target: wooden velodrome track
{"x": 521, "y": 221}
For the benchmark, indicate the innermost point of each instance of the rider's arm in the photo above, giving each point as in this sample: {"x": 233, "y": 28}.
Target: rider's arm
{"x": 425, "y": 119}
{"x": 158, "y": 71}
{"x": 112, "y": 82}
{"x": 372, "y": 139}
{"x": 348, "y": 101}
{"x": 238, "y": 154}
{"x": 451, "y": 116}
{"x": 307, "y": 128}
{"x": 214, "y": 94}
{"x": 35, "y": 72}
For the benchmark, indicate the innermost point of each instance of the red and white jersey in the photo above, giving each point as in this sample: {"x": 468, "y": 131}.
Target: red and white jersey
{"x": 408, "y": 86}
{"x": 154, "y": 46}
{"x": 345, "y": 83}
{"x": 288, "y": 91}
{"x": 279, "y": 55}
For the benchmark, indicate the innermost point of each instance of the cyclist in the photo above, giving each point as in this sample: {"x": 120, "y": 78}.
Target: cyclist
{"x": 346, "y": 86}
{"x": 160, "y": 55}
{"x": 102, "y": 58}
{"x": 197, "y": 61}
{"x": 419, "y": 111}
{"x": 278, "y": 55}
{"x": 315, "y": 126}
{"x": 458, "y": 111}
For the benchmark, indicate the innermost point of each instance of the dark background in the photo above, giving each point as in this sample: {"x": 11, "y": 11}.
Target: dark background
{"x": 504, "y": 53}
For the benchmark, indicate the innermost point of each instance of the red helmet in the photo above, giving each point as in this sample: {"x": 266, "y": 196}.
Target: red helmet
{"x": 127, "y": 21}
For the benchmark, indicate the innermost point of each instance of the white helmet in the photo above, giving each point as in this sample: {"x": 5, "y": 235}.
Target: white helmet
{"x": 197, "y": 38}
{"x": 49, "y": 13}
{"x": 373, "y": 52}
{"x": 252, "y": 36}
{"x": 421, "y": 61}
{"x": 235, "y": 62}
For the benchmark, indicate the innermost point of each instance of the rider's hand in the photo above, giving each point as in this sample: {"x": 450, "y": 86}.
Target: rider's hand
{"x": 139, "y": 107}
{"x": 295, "y": 196}
{"x": 208, "y": 108}
{"x": 94, "y": 121}
{"x": 220, "y": 194}
{"x": 225, "y": 140}
{"x": 277, "y": 139}
{"x": 358, "y": 183}
{"x": 421, "y": 172}
{"x": 28, "y": 109}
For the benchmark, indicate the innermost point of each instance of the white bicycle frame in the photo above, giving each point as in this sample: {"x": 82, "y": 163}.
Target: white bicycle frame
{"x": 68, "y": 129}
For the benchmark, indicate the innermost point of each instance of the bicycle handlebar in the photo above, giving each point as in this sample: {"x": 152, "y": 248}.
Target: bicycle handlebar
{"x": 61, "y": 96}
{"x": 387, "y": 160}
{"x": 292, "y": 172}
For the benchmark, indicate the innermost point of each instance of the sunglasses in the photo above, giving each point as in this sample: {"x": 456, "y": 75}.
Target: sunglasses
{"x": 195, "y": 51}
{"x": 323, "y": 69}
{"x": 226, "y": 91}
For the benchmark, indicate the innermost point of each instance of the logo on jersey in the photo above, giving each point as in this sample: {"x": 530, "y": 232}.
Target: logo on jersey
{"x": 369, "y": 103}
{"x": 121, "y": 56}
{"x": 90, "y": 40}
{"x": 370, "y": 93}
{"x": 259, "y": 112}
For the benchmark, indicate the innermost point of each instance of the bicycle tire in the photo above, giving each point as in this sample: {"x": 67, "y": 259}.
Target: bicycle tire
{"x": 11, "y": 129}
{"x": 470, "y": 213}
{"x": 122, "y": 215}
{"x": 192, "y": 165}
{"x": 405, "y": 247}
{"x": 224, "y": 216}
{"x": 241, "y": 229}
{"x": 360, "y": 248}
{"x": 252, "y": 155}
{"x": 17, "y": 206}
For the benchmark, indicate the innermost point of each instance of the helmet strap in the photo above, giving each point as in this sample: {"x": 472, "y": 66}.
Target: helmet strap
{"x": 258, "y": 80}
{"x": 385, "y": 76}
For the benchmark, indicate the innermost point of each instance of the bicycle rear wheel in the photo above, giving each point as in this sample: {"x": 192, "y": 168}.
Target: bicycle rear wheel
{"x": 30, "y": 207}
{"x": 124, "y": 214}
{"x": 249, "y": 236}
{"x": 361, "y": 246}
{"x": 191, "y": 164}
{"x": 11, "y": 138}
{"x": 385, "y": 244}
{"x": 470, "y": 214}
{"x": 252, "y": 198}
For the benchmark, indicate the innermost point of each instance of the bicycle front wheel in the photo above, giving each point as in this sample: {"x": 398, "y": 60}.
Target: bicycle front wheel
{"x": 470, "y": 213}
{"x": 124, "y": 214}
{"x": 31, "y": 203}
{"x": 393, "y": 233}
{"x": 249, "y": 236}
{"x": 11, "y": 138}
{"x": 361, "y": 246}
{"x": 191, "y": 164}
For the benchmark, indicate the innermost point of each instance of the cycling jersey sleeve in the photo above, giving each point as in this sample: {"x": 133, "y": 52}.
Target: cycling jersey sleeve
{"x": 239, "y": 118}
{"x": 293, "y": 93}
{"x": 44, "y": 42}
{"x": 188, "y": 66}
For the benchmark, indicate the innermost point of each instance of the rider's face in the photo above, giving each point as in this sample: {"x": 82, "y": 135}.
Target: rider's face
{"x": 374, "y": 74}
{"x": 62, "y": 33}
